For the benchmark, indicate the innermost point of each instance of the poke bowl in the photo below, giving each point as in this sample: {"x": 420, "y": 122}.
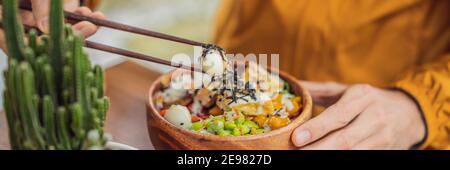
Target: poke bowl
{"x": 167, "y": 134}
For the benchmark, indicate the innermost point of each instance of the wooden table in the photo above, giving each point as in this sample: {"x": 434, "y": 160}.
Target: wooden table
{"x": 127, "y": 86}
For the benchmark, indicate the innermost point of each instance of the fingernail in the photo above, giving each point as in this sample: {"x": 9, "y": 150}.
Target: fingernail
{"x": 43, "y": 25}
{"x": 302, "y": 137}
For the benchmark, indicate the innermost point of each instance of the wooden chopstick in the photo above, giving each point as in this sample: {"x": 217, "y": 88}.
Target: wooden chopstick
{"x": 126, "y": 53}
{"x": 122, "y": 27}
{"x": 131, "y": 54}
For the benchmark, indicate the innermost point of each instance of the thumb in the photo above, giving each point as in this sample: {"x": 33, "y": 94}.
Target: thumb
{"x": 324, "y": 94}
{"x": 41, "y": 12}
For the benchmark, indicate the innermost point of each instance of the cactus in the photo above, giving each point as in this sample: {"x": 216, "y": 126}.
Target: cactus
{"x": 54, "y": 98}
{"x": 57, "y": 38}
{"x": 14, "y": 29}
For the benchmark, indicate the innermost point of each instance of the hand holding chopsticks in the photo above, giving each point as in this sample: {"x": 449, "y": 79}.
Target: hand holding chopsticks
{"x": 118, "y": 26}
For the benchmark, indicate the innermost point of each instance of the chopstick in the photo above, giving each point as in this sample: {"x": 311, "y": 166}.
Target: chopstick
{"x": 122, "y": 27}
{"x": 131, "y": 54}
{"x": 126, "y": 53}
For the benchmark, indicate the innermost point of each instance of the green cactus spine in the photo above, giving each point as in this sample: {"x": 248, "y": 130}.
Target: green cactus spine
{"x": 13, "y": 29}
{"x": 57, "y": 38}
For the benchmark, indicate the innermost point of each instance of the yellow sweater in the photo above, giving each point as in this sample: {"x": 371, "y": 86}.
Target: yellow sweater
{"x": 386, "y": 43}
{"x": 92, "y": 3}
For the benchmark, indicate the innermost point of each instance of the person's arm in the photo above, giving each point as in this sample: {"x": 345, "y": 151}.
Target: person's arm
{"x": 365, "y": 117}
{"x": 430, "y": 86}
{"x": 360, "y": 117}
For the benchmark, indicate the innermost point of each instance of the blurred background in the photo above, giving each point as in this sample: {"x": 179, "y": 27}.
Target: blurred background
{"x": 192, "y": 19}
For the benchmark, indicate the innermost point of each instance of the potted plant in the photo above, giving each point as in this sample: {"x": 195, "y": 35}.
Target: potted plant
{"x": 54, "y": 98}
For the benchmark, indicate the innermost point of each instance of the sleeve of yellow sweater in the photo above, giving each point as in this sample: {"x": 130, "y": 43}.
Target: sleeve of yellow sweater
{"x": 91, "y": 3}
{"x": 430, "y": 86}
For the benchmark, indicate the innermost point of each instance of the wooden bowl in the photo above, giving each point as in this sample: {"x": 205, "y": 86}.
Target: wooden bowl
{"x": 166, "y": 136}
